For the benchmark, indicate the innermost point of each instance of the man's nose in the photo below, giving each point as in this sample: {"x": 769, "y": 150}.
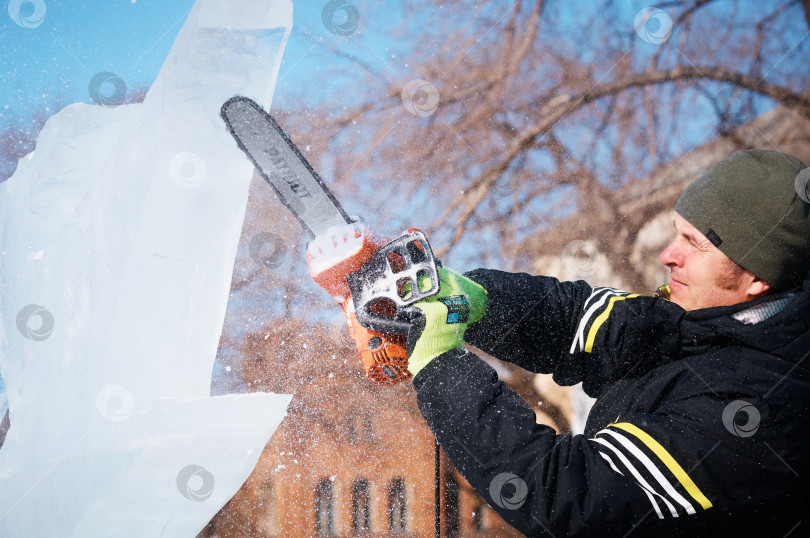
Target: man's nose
{"x": 670, "y": 255}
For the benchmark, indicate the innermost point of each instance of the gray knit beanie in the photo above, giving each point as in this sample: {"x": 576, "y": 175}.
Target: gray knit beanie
{"x": 754, "y": 207}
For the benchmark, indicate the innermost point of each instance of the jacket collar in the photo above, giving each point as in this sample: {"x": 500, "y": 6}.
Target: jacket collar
{"x": 778, "y": 324}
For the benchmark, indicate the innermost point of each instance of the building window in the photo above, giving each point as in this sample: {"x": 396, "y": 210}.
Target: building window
{"x": 396, "y": 506}
{"x": 361, "y": 428}
{"x": 361, "y": 509}
{"x": 324, "y": 508}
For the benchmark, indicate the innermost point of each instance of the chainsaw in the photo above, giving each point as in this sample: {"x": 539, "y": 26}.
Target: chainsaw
{"x": 373, "y": 277}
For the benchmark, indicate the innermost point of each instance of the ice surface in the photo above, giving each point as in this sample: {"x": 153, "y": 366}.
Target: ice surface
{"x": 118, "y": 239}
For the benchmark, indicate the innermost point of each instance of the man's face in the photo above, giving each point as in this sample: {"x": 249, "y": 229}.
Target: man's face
{"x": 701, "y": 275}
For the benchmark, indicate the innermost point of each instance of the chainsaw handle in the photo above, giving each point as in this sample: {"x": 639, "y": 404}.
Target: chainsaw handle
{"x": 381, "y": 324}
{"x": 392, "y": 280}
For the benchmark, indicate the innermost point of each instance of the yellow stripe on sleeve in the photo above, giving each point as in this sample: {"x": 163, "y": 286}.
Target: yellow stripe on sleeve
{"x": 668, "y": 460}
{"x": 602, "y": 318}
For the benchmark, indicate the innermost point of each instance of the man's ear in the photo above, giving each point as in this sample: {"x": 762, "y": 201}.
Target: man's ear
{"x": 758, "y": 288}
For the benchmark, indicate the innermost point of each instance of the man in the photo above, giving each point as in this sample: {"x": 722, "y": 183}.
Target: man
{"x": 702, "y": 420}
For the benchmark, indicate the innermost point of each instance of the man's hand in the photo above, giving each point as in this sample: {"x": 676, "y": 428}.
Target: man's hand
{"x": 438, "y": 323}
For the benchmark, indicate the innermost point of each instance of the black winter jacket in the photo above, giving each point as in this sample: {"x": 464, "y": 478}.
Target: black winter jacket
{"x": 700, "y": 428}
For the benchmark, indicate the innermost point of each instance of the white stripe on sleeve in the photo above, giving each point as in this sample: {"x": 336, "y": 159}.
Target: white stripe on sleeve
{"x": 649, "y": 495}
{"x": 657, "y": 474}
{"x": 639, "y": 479}
{"x": 580, "y": 337}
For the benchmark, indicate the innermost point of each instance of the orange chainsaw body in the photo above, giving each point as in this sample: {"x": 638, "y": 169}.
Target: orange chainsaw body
{"x": 331, "y": 258}
{"x": 384, "y": 356}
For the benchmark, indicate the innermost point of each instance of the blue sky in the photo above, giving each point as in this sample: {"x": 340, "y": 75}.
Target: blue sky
{"x": 56, "y": 58}
{"x": 76, "y": 40}
{"x": 51, "y": 50}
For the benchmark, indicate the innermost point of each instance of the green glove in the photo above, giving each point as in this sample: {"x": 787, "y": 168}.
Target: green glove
{"x": 438, "y": 323}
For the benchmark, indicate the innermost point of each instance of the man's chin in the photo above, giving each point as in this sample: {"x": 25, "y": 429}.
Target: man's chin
{"x": 680, "y": 298}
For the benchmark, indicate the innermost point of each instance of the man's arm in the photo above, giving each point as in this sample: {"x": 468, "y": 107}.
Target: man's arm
{"x": 571, "y": 330}
{"x": 656, "y": 472}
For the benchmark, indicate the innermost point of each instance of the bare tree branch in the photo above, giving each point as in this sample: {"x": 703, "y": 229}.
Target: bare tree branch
{"x": 470, "y": 199}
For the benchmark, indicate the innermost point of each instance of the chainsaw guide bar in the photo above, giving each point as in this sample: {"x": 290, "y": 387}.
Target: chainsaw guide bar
{"x": 282, "y": 165}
